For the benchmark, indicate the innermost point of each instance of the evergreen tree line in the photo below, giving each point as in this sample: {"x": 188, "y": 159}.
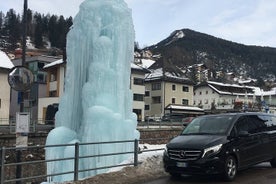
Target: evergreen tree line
{"x": 39, "y": 26}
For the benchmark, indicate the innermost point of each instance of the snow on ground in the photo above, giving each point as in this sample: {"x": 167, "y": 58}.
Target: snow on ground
{"x": 150, "y": 169}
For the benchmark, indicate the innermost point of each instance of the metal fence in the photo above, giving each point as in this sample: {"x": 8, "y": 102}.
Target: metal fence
{"x": 28, "y": 164}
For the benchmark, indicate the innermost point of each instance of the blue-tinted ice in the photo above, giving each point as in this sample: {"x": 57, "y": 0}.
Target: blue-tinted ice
{"x": 97, "y": 102}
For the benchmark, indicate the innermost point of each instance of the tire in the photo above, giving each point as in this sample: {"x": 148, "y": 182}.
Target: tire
{"x": 273, "y": 163}
{"x": 230, "y": 168}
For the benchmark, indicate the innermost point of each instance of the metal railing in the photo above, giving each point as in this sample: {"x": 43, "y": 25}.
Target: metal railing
{"x": 34, "y": 165}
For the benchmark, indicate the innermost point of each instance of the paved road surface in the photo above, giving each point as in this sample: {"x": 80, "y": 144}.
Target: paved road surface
{"x": 259, "y": 174}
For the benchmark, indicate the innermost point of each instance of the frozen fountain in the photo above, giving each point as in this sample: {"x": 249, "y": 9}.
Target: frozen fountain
{"x": 97, "y": 102}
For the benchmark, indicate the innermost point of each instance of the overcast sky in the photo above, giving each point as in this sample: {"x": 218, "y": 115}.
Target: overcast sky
{"x": 251, "y": 22}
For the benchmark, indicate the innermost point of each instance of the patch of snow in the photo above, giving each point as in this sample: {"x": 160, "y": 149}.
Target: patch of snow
{"x": 5, "y": 61}
{"x": 57, "y": 62}
{"x": 178, "y": 35}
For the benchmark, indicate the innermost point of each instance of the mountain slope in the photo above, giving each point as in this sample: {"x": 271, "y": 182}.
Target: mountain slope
{"x": 186, "y": 47}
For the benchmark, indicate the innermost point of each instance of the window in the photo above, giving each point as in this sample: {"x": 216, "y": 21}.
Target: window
{"x": 0, "y": 103}
{"x": 173, "y": 100}
{"x": 40, "y": 65}
{"x": 53, "y": 94}
{"x": 138, "y": 97}
{"x": 173, "y": 87}
{"x": 138, "y": 81}
{"x": 249, "y": 124}
{"x": 185, "y": 88}
{"x": 206, "y": 92}
{"x": 156, "y": 86}
{"x": 185, "y": 102}
{"x": 147, "y": 107}
{"x": 200, "y": 93}
{"x": 147, "y": 93}
{"x": 156, "y": 99}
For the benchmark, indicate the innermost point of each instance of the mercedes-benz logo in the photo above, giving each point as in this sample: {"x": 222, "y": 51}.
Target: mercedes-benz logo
{"x": 182, "y": 154}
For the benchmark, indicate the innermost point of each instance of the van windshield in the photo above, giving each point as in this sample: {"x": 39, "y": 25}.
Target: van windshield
{"x": 209, "y": 125}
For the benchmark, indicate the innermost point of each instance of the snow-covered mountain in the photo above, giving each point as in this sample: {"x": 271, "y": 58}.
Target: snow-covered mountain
{"x": 187, "y": 47}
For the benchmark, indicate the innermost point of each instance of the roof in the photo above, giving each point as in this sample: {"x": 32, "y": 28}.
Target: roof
{"x": 5, "y": 61}
{"x": 41, "y": 58}
{"x": 139, "y": 68}
{"x": 158, "y": 74}
{"x": 185, "y": 109}
{"x": 55, "y": 63}
{"x": 232, "y": 89}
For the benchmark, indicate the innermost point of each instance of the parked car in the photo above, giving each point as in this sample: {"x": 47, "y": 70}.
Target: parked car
{"x": 173, "y": 117}
{"x": 222, "y": 144}
{"x": 187, "y": 120}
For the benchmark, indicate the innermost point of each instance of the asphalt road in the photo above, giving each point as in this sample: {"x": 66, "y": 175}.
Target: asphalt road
{"x": 259, "y": 174}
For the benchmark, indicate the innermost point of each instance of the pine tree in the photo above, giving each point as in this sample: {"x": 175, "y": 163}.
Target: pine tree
{"x": 38, "y": 40}
{"x": 12, "y": 27}
{"x": 52, "y": 28}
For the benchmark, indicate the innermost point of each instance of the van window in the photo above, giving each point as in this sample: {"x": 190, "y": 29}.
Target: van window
{"x": 252, "y": 124}
{"x": 209, "y": 125}
{"x": 269, "y": 121}
{"x": 259, "y": 124}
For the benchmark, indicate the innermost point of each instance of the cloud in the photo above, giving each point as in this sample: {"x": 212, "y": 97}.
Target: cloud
{"x": 244, "y": 21}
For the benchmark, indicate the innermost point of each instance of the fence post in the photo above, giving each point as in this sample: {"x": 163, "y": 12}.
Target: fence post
{"x": 76, "y": 162}
{"x": 18, "y": 167}
{"x": 2, "y": 174}
{"x": 136, "y": 150}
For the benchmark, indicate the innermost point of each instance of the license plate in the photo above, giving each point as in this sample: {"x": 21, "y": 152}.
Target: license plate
{"x": 181, "y": 164}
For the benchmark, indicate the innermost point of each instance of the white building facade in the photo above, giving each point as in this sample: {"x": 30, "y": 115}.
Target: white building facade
{"x": 5, "y": 66}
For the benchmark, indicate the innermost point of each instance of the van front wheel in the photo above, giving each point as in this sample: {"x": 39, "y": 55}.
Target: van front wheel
{"x": 230, "y": 168}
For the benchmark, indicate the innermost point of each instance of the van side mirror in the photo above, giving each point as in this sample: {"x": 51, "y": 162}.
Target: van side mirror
{"x": 243, "y": 134}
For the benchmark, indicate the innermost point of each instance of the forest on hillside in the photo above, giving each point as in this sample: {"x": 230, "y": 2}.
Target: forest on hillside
{"x": 40, "y": 27}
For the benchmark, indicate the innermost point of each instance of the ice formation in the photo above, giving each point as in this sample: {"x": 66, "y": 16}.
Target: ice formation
{"x": 97, "y": 102}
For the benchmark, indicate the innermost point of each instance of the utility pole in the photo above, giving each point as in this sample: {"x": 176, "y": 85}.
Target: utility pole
{"x": 19, "y": 151}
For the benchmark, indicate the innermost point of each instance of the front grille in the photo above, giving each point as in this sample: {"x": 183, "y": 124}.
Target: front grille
{"x": 184, "y": 155}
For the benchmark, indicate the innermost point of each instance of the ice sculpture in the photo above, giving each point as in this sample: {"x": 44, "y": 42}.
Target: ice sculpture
{"x": 97, "y": 102}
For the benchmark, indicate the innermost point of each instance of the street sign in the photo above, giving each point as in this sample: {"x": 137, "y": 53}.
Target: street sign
{"x": 22, "y": 122}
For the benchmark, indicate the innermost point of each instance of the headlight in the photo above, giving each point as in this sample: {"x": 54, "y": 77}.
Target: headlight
{"x": 211, "y": 151}
{"x": 166, "y": 150}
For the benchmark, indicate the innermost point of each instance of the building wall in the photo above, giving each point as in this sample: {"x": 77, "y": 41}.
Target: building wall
{"x": 166, "y": 93}
{"x": 43, "y": 103}
{"x": 207, "y": 95}
{"x": 4, "y": 95}
{"x": 138, "y": 89}
{"x": 59, "y": 86}
{"x": 155, "y": 109}
{"x": 178, "y": 93}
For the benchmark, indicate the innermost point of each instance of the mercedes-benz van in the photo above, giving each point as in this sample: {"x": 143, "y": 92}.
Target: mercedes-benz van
{"x": 222, "y": 144}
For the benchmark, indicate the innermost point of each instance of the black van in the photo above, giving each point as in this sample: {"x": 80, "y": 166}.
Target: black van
{"x": 222, "y": 144}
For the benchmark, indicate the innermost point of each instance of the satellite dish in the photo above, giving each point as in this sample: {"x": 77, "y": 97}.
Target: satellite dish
{"x": 20, "y": 78}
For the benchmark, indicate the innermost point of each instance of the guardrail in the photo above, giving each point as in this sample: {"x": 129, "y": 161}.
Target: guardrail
{"x": 32, "y": 167}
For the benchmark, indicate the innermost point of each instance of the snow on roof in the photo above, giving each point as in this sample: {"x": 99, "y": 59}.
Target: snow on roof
{"x": 257, "y": 91}
{"x": 57, "y": 62}
{"x": 5, "y": 61}
{"x": 180, "y": 107}
{"x": 268, "y": 93}
{"x": 140, "y": 68}
{"x": 145, "y": 63}
{"x": 158, "y": 73}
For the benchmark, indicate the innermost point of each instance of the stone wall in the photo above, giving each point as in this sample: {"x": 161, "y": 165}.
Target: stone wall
{"x": 147, "y": 135}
